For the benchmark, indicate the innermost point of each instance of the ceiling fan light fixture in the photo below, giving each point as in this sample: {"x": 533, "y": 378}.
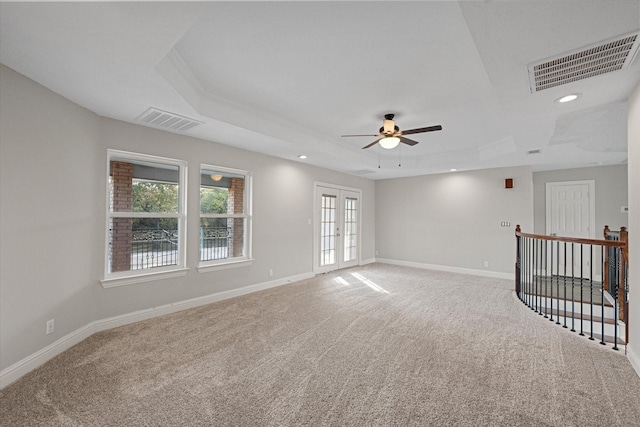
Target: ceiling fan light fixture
{"x": 389, "y": 142}
{"x": 388, "y": 127}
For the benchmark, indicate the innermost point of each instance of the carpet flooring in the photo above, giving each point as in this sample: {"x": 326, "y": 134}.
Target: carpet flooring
{"x": 378, "y": 345}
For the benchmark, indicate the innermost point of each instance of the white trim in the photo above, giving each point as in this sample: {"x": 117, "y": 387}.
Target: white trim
{"x": 29, "y": 363}
{"x": 232, "y": 263}
{"x": 340, "y": 193}
{"x": 223, "y": 215}
{"x": 143, "y": 215}
{"x": 113, "y": 282}
{"x": 247, "y": 215}
{"x": 634, "y": 358}
{"x": 592, "y": 203}
{"x": 461, "y": 270}
{"x": 367, "y": 261}
{"x": 136, "y": 276}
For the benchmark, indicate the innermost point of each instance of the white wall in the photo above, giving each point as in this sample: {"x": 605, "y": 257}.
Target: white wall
{"x": 52, "y": 201}
{"x": 634, "y": 228}
{"x": 610, "y": 195}
{"x": 454, "y": 220}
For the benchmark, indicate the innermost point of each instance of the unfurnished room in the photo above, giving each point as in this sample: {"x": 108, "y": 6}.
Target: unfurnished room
{"x": 320, "y": 213}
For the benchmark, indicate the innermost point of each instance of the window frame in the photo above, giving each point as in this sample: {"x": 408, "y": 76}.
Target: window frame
{"x": 121, "y": 278}
{"x": 247, "y": 215}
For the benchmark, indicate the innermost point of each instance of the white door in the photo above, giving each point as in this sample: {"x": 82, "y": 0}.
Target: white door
{"x": 571, "y": 213}
{"x": 337, "y": 242}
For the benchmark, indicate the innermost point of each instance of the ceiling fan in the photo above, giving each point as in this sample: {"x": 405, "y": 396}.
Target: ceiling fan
{"x": 390, "y": 135}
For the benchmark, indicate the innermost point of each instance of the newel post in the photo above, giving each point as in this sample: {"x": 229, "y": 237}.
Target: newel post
{"x": 622, "y": 291}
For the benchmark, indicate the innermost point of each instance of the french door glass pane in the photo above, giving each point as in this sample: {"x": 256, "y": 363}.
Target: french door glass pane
{"x": 328, "y": 230}
{"x": 350, "y": 229}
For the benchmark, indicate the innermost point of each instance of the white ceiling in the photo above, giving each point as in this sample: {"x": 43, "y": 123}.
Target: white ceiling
{"x": 288, "y": 78}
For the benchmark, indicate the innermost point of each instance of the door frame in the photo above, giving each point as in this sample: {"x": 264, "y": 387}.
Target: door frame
{"x": 317, "y": 186}
{"x": 592, "y": 204}
{"x": 591, "y": 193}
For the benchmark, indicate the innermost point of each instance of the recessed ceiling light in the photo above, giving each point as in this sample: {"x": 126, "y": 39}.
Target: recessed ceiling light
{"x": 453, "y": 170}
{"x": 568, "y": 98}
{"x": 302, "y": 156}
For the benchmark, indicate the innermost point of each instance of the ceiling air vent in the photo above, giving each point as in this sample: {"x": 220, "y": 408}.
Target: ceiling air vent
{"x": 590, "y": 61}
{"x": 167, "y": 120}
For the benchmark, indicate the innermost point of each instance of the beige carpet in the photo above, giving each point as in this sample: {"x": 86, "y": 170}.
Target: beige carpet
{"x": 373, "y": 346}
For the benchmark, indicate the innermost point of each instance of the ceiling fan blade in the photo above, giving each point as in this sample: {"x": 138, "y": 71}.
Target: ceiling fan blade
{"x": 372, "y": 144}
{"x": 343, "y": 136}
{"x": 420, "y": 130}
{"x": 408, "y": 141}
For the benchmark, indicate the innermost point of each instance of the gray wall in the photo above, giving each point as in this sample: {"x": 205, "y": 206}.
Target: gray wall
{"x": 611, "y": 194}
{"x": 52, "y": 201}
{"x": 454, "y": 219}
{"x": 634, "y": 228}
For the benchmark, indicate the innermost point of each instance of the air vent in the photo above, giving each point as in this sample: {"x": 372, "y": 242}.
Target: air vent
{"x": 538, "y": 151}
{"x": 590, "y": 61}
{"x": 167, "y": 120}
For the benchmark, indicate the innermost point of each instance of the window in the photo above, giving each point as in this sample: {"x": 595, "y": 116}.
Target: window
{"x": 145, "y": 217}
{"x": 225, "y": 217}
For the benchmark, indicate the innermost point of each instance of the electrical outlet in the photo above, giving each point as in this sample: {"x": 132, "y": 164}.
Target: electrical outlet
{"x": 270, "y": 273}
{"x": 50, "y": 326}
{"x": 376, "y": 253}
{"x": 486, "y": 264}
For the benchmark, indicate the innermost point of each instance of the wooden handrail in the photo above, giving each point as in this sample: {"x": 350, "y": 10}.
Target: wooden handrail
{"x": 601, "y": 242}
{"x": 622, "y": 242}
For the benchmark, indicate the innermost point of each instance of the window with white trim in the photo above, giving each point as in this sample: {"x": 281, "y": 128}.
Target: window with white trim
{"x": 225, "y": 216}
{"x": 146, "y": 214}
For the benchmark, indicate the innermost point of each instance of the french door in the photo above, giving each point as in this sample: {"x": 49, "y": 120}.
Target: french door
{"x": 337, "y": 231}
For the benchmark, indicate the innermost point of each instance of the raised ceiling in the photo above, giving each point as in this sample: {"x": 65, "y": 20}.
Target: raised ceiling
{"x": 288, "y": 78}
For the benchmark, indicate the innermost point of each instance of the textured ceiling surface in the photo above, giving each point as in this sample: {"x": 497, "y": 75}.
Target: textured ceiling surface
{"x": 289, "y": 78}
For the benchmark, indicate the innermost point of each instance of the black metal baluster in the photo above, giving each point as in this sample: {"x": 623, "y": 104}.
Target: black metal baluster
{"x": 564, "y": 282}
{"x": 591, "y": 293}
{"x": 602, "y": 298}
{"x": 536, "y": 297}
{"x": 573, "y": 285}
{"x": 525, "y": 269}
{"x": 525, "y": 295}
{"x": 581, "y": 283}
{"x": 551, "y": 283}
{"x": 546, "y": 295}
{"x": 615, "y": 307}
{"x": 531, "y": 277}
{"x": 526, "y": 272}
{"x": 558, "y": 281}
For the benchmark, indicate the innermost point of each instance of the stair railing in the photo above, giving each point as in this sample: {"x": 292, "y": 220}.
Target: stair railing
{"x": 578, "y": 283}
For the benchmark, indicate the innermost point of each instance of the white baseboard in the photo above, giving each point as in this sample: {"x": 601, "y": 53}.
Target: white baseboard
{"x": 634, "y": 358}
{"x": 484, "y": 273}
{"x": 367, "y": 261}
{"x": 29, "y": 363}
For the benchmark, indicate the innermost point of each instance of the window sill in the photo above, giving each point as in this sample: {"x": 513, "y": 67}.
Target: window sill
{"x": 244, "y": 262}
{"x": 113, "y": 282}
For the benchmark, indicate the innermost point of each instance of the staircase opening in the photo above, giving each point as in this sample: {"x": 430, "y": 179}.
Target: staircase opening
{"x": 580, "y": 284}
